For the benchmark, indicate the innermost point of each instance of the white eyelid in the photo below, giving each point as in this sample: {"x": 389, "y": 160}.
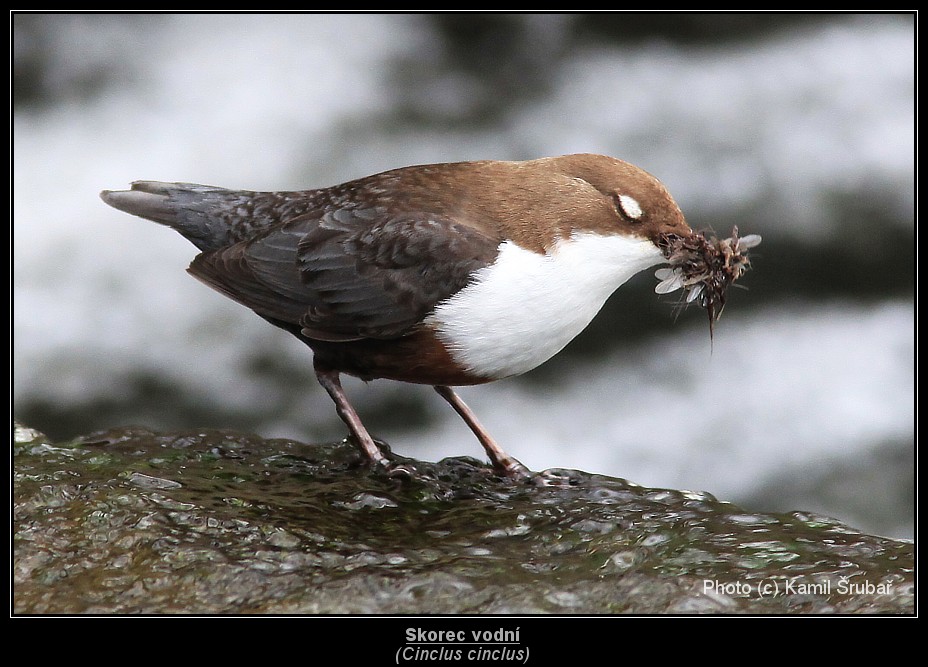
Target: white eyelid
{"x": 630, "y": 207}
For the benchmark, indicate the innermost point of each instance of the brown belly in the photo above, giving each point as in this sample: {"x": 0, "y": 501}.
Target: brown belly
{"x": 418, "y": 357}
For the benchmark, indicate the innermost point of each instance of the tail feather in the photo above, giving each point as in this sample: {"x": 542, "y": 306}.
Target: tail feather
{"x": 201, "y": 213}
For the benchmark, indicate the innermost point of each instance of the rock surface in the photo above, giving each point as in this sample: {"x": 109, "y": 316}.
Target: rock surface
{"x": 131, "y": 521}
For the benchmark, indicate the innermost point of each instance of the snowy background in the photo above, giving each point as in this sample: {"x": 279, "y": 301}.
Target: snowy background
{"x": 797, "y": 128}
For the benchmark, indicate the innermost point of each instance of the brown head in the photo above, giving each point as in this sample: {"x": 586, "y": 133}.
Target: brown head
{"x": 593, "y": 193}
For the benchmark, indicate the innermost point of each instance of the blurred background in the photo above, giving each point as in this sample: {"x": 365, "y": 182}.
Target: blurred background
{"x": 796, "y": 127}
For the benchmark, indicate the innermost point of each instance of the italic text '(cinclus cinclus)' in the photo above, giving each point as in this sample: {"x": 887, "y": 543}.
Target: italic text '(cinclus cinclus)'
{"x": 444, "y": 274}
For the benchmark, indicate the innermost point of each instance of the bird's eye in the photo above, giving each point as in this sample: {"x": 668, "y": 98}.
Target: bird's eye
{"x": 628, "y": 206}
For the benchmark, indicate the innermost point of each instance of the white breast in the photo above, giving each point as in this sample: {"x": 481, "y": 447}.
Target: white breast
{"x": 525, "y": 307}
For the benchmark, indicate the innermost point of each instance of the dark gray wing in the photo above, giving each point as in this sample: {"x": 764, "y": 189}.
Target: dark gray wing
{"x": 351, "y": 273}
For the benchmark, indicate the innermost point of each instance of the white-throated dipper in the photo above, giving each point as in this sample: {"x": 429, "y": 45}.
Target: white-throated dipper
{"x": 444, "y": 274}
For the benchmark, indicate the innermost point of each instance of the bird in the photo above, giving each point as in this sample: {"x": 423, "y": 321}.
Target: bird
{"x": 450, "y": 274}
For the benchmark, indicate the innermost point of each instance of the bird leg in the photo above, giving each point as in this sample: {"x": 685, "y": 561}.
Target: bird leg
{"x": 330, "y": 381}
{"x": 500, "y": 459}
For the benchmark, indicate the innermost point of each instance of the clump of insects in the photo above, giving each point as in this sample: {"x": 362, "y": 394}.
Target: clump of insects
{"x": 705, "y": 267}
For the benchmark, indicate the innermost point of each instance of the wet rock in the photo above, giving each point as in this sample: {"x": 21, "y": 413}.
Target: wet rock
{"x": 132, "y": 521}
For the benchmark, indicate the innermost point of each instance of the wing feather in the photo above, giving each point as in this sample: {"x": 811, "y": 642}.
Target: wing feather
{"x": 349, "y": 274}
